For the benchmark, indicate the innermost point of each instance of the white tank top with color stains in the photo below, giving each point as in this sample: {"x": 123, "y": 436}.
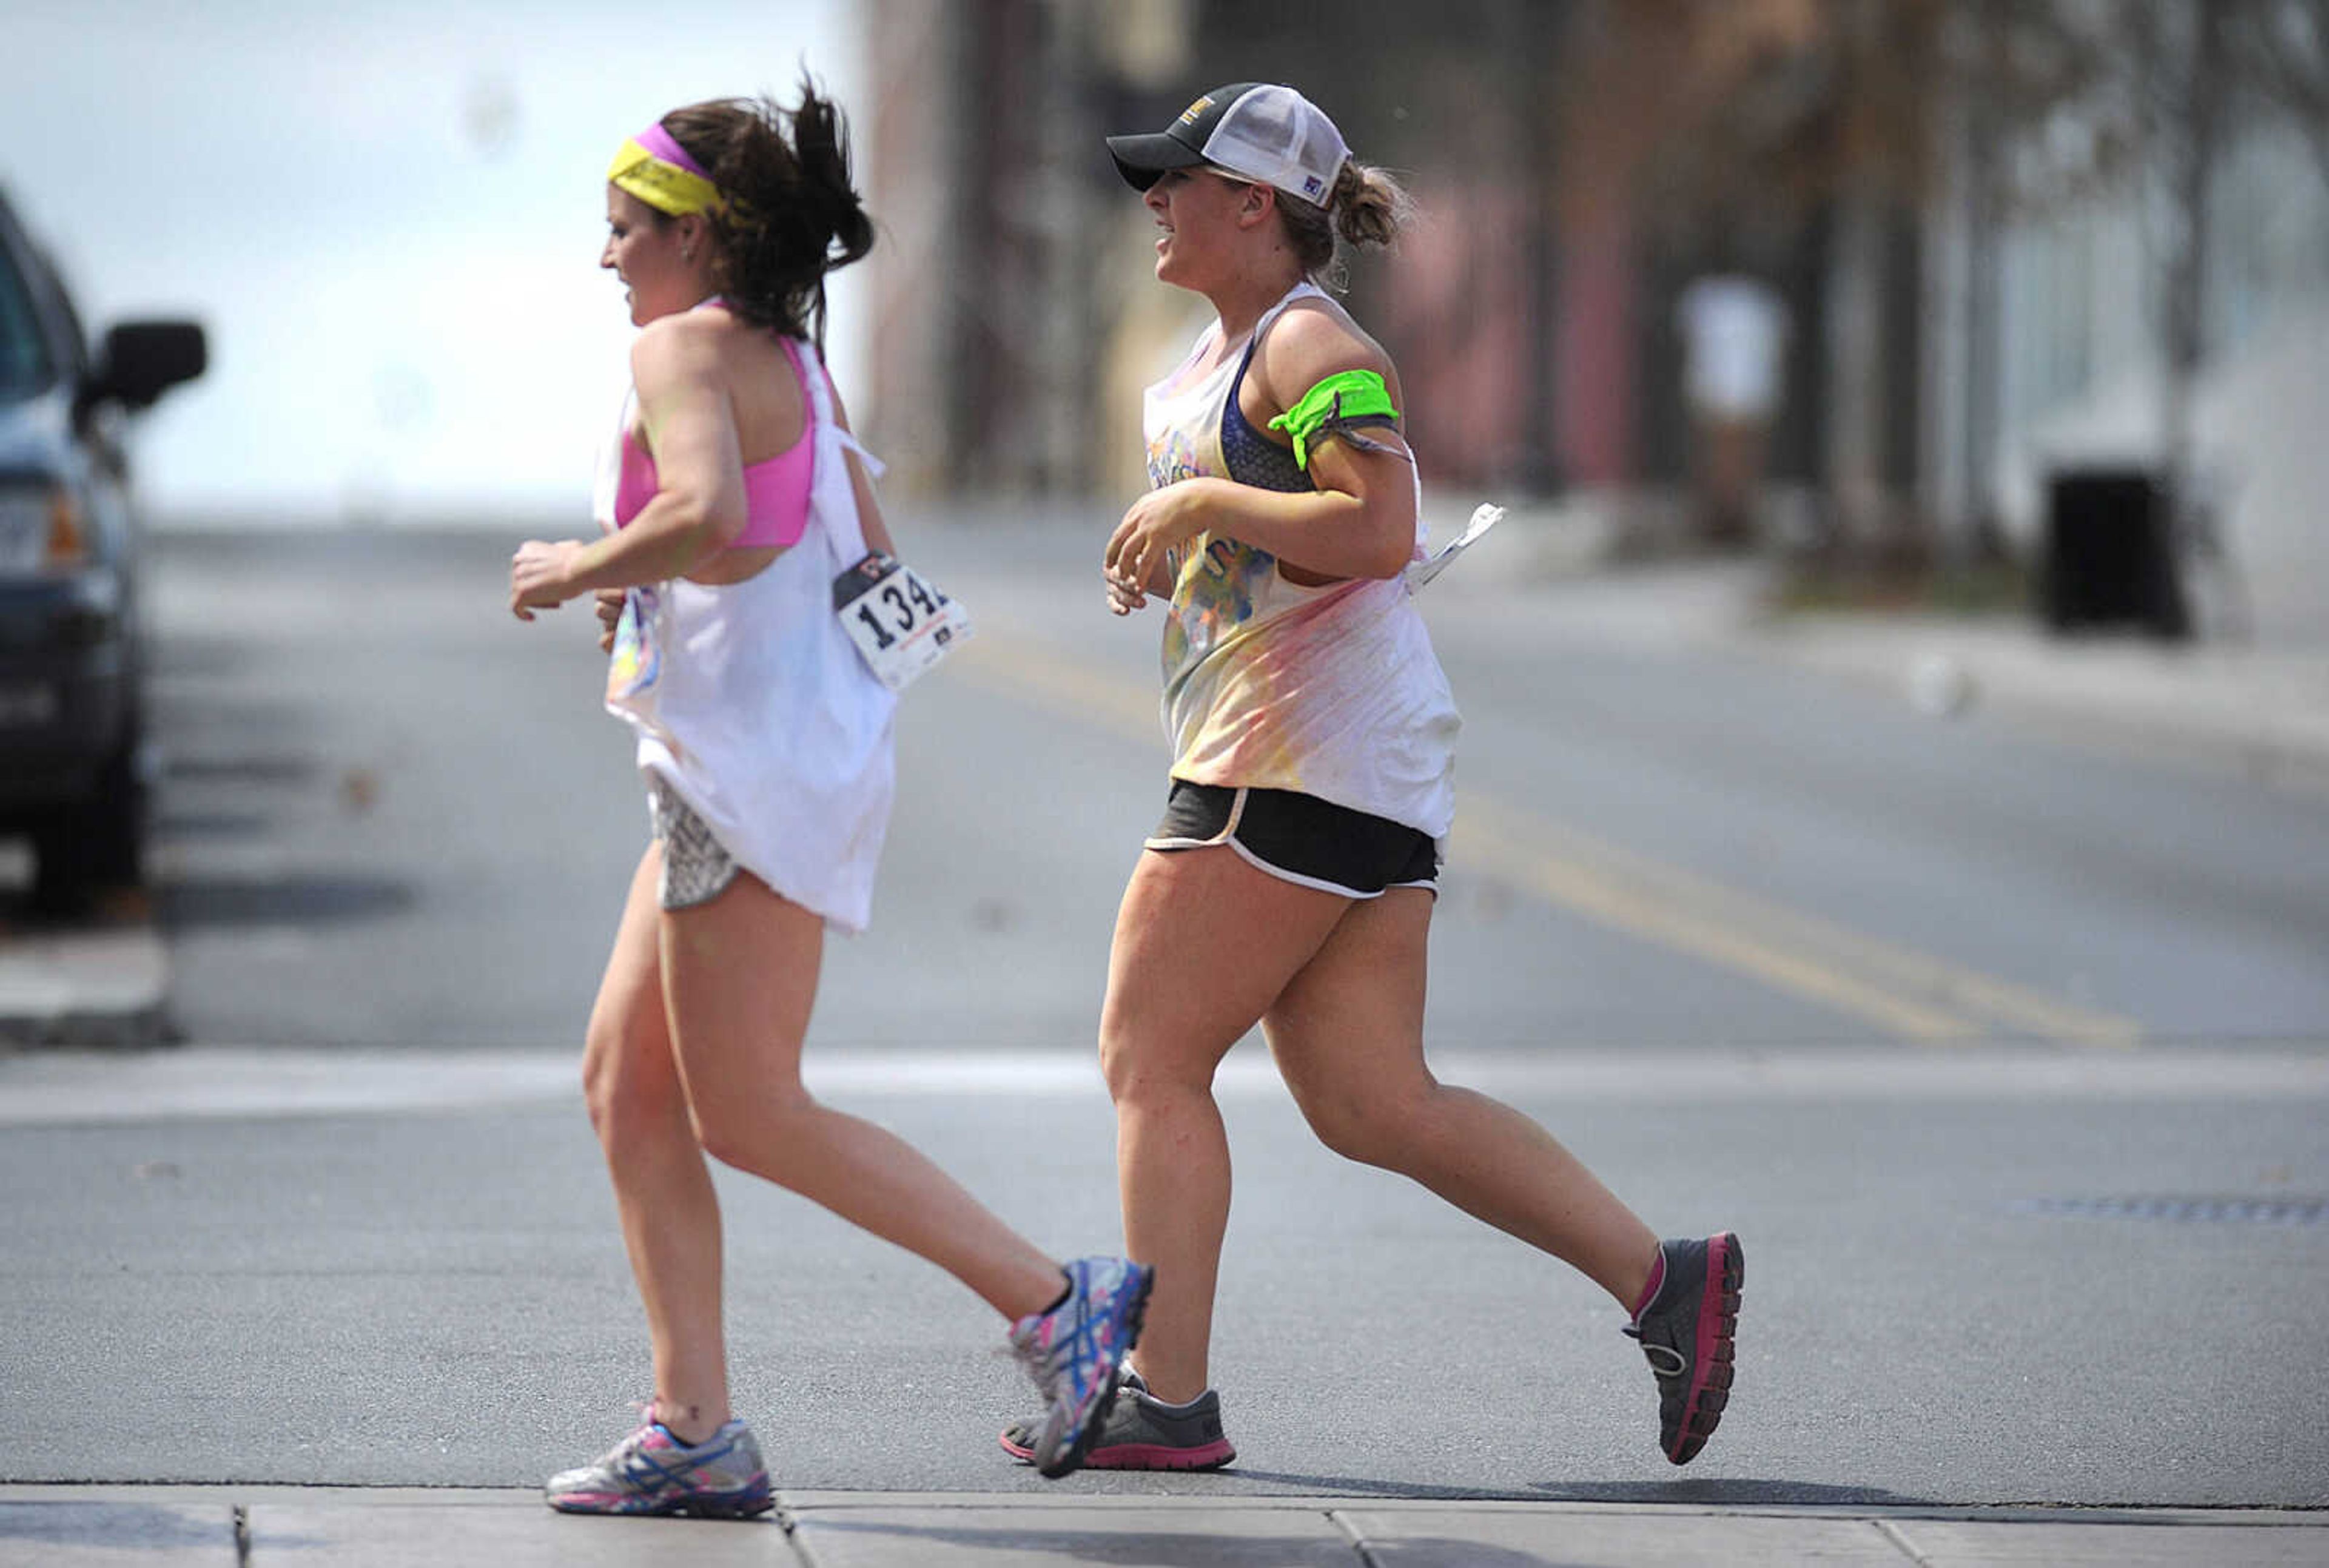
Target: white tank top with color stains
{"x": 1333, "y": 691}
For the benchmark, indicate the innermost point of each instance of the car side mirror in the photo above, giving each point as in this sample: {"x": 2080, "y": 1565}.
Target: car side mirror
{"x": 141, "y": 360}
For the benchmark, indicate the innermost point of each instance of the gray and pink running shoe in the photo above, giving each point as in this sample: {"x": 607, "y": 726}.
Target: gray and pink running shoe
{"x": 653, "y": 1472}
{"x": 1074, "y": 1351}
{"x": 1142, "y": 1433}
{"x": 1686, "y": 1332}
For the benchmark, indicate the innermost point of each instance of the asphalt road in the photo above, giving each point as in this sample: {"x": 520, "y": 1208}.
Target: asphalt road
{"x": 394, "y": 817}
{"x": 2005, "y": 1056}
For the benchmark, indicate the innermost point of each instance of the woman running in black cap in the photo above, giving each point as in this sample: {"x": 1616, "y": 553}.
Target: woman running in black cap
{"x": 1291, "y": 881}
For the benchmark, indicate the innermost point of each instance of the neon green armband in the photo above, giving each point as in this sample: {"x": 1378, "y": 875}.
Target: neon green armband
{"x": 1346, "y": 398}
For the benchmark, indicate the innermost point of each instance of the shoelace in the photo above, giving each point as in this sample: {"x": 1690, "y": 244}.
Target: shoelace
{"x": 1680, "y": 1364}
{"x": 1081, "y": 1345}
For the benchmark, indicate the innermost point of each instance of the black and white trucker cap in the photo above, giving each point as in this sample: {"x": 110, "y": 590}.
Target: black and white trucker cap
{"x": 1257, "y": 130}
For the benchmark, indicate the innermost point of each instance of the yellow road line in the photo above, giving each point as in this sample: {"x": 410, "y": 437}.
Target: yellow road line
{"x": 1641, "y": 911}
{"x": 1017, "y": 667}
{"x": 1903, "y": 992}
{"x": 1935, "y": 983}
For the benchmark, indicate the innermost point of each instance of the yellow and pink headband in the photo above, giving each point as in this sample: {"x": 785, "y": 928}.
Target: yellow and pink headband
{"x": 653, "y": 167}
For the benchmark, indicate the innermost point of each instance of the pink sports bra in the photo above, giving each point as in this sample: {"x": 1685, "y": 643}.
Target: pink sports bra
{"x": 776, "y": 492}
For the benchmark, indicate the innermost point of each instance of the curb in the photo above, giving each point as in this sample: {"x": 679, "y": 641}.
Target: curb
{"x": 2261, "y": 717}
{"x": 106, "y": 986}
{"x": 182, "y": 1527}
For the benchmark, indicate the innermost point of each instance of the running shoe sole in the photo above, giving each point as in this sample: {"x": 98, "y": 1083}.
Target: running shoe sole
{"x": 1141, "y": 1456}
{"x": 1717, "y": 1351}
{"x": 722, "y": 1506}
{"x": 1018, "y": 1441}
{"x": 651, "y": 1474}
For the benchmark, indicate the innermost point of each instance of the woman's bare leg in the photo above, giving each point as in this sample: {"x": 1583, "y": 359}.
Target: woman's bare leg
{"x": 1203, "y": 943}
{"x": 662, "y": 1189}
{"x": 739, "y": 978}
{"x": 1348, "y": 1035}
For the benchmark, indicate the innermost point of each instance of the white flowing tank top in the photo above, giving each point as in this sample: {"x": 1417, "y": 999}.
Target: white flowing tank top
{"x": 1333, "y": 691}
{"x": 752, "y": 705}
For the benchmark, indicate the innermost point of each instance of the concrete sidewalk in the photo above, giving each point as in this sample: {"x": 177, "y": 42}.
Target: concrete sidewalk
{"x": 201, "y": 1526}
{"x": 2263, "y": 714}
{"x": 100, "y": 984}
{"x": 2259, "y": 710}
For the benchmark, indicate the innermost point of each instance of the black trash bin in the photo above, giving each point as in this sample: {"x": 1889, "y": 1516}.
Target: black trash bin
{"x": 2110, "y": 554}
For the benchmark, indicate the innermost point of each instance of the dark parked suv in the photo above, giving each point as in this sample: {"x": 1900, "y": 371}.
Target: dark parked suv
{"x": 71, "y": 718}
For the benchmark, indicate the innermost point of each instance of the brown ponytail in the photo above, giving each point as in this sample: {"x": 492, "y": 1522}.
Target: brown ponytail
{"x": 1366, "y": 207}
{"x": 792, "y": 215}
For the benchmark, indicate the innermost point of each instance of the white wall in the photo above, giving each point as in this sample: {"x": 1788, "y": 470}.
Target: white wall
{"x": 2080, "y": 380}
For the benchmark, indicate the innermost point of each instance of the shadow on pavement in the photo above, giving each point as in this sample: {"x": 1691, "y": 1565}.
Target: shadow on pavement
{"x": 300, "y": 900}
{"x": 143, "y": 1526}
{"x": 168, "y": 825}
{"x": 241, "y": 770}
{"x": 1432, "y": 1551}
{"x": 1732, "y": 1492}
{"x": 1729, "y": 1492}
{"x": 1355, "y": 1487}
{"x": 1131, "y": 1547}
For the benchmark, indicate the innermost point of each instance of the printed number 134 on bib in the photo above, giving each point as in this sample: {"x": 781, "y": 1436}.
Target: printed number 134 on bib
{"x": 898, "y": 620}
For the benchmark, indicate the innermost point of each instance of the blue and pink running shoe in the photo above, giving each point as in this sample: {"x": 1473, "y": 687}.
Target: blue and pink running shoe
{"x": 653, "y": 1472}
{"x": 1074, "y": 1351}
{"x": 1686, "y": 1332}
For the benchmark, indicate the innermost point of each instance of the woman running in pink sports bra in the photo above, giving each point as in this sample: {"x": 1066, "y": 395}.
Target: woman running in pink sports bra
{"x": 766, "y": 742}
{"x": 776, "y": 490}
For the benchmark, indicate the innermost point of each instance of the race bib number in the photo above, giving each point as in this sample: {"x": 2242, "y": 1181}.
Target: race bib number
{"x": 899, "y": 619}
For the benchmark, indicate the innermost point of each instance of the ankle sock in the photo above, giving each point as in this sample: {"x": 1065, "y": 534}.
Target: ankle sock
{"x": 1183, "y": 1408}
{"x": 1650, "y": 1290}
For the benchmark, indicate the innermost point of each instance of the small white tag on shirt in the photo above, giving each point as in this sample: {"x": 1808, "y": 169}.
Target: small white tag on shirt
{"x": 1484, "y": 517}
{"x": 899, "y": 619}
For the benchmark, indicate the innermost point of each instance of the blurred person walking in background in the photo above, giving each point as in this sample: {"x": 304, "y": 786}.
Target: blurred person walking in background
{"x": 1292, "y": 880}
{"x": 1734, "y": 333}
{"x": 729, "y": 506}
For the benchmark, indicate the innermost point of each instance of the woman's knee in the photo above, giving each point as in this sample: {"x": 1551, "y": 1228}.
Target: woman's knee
{"x": 631, "y": 1091}
{"x": 1140, "y": 1068}
{"x": 1371, "y": 1125}
{"x": 766, "y": 1135}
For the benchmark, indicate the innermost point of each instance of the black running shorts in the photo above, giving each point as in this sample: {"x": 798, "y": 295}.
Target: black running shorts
{"x": 1300, "y": 838}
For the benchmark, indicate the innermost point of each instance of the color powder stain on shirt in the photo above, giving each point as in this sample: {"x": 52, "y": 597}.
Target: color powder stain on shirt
{"x": 1171, "y": 458}
{"x": 635, "y": 661}
{"x": 1214, "y": 592}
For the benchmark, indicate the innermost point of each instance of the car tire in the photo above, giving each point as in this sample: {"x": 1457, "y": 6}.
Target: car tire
{"x": 94, "y": 844}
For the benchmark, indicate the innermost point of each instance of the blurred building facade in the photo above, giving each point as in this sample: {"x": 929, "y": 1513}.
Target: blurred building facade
{"x": 1532, "y": 311}
{"x": 1018, "y": 312}
{"x": 1578, "y": 163}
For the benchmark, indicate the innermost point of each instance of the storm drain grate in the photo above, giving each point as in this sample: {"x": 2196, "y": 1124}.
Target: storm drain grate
{"x": 2186, "y": 1210}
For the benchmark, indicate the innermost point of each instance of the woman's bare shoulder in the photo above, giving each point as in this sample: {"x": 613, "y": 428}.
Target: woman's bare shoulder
{"x": 698, "y": 344}
{"x": 1314, "y": 339}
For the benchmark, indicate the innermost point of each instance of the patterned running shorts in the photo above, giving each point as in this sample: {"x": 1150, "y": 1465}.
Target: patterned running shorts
{"x": 696, "y": 869}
